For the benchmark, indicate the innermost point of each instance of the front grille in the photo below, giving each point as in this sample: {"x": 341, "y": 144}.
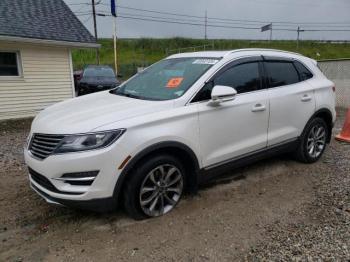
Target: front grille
{"x": 42, "y": 145}
{"x": 45, "y": 183}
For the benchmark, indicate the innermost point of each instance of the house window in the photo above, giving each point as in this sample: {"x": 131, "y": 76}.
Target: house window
{"x": 9, "y": 64}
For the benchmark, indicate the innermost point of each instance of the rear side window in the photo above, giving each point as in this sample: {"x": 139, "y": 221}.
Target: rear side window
{"x": 281, "y": 73}
{"x": 304, "y": 73}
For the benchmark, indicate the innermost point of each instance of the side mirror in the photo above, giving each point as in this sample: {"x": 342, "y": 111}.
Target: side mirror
{"x": 120, "y": 76}
{"x": 221, "y": 94}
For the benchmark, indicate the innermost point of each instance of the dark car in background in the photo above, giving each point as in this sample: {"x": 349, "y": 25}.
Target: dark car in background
{"x": 95, "y": 78}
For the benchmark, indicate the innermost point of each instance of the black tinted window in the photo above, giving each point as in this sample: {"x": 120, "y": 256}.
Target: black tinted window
{"x": 205, "y": 93}
{"x": 8, "y": 64}
{"x": 304, "y": 73}
{"x": 244, "y": 77}
{"x": 281, "y": 73}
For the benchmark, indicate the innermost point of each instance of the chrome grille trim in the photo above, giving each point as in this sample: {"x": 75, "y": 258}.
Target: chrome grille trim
{"x": 43, "y": 145}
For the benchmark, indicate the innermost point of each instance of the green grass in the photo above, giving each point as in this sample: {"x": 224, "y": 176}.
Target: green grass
{"x": 145, "y": 51}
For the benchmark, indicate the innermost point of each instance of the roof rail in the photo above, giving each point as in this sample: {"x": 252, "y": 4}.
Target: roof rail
{"x": 260, "y": 49}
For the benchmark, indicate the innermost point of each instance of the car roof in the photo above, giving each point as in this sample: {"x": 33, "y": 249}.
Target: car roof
{"x": 242, "y": 52}
{"x": 216, "y": 54}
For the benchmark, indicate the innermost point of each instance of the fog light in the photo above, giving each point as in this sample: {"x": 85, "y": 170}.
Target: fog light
{"x": 79, "y": 178}
{"x": 87, "y": 174}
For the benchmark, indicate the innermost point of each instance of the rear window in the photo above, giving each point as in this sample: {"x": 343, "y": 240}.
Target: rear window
{"x": 281, "y": 73}
{"x": 99, "y": 72}
{"x": 304, "y": 73}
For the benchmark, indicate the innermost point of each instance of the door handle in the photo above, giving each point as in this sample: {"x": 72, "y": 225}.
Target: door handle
{"x": 258, "y": 108}
{"x": 306, "y": 98}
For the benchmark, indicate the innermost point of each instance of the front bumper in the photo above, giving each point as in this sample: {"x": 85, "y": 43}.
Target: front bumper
{"x": 95, "y": 196}
{"x": 97, "y": 205}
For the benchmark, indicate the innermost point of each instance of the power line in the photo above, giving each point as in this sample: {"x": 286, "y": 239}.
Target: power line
{"x": 99, "y": 2}
{"x": 83, "y": 14}
{"x": 182, "y": 19}
{"x": 88, "y": 19}
{"x": 184, "y": 23}
{"x": 158, "y": 17}
{"x": 213, "y": 22}
{"x": 279, "y": 22}
{"x": 228, "y": 19}
{"x": 154, "y": 11}
{"x": 214, "y": 25}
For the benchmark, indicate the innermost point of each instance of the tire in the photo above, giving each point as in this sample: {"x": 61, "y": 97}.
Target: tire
{"x": 163, "y": 194}
{"x": 313, "y": 141}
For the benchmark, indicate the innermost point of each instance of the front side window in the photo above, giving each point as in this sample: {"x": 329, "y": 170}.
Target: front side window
{"x": 9, "y": 64}
{"x": 167, "y": 79}
{"x": 281, "y": 73}
{"x": 243, "y": 77}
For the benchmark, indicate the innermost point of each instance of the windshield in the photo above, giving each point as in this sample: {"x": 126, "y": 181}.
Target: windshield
{"x": 99, "y": 72}
{"x": 167, "y": 79}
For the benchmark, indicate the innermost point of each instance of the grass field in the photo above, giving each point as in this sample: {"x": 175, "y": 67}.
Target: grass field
{"x": 142, "y": 52}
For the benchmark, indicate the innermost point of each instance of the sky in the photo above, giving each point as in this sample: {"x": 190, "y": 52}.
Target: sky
{"x": 284, "y": 14}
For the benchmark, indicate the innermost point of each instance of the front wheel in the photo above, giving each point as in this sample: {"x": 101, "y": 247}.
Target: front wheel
{"x": 155, "y": 187}
{"x": 313, "y": 141}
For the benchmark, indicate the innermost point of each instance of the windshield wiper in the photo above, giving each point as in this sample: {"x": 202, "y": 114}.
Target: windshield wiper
{"x": 115, "y": 91}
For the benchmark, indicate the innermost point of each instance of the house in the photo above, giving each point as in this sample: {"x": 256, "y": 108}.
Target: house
{"x": 36, "y": 40}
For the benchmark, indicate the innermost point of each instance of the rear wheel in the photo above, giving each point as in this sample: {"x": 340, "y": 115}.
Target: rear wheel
{"x": 155, "y": 187}
{"x": 313, "y": 141}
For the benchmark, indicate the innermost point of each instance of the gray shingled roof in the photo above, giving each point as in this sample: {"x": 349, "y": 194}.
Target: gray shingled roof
{"x": 42, "y": 19}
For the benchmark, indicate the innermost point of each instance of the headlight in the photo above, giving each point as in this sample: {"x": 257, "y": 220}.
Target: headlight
{"x": 76, "y": 143}
{"x": 26, "y": 143}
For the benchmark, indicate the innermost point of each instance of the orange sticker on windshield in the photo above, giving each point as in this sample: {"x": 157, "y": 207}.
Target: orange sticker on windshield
{"x": 174, "y": 82}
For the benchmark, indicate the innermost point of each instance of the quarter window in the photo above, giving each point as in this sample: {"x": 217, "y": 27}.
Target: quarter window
{"x": 281, "y": 73}
{"x": 304, "y": 73}
{"x": 9, "y": 64}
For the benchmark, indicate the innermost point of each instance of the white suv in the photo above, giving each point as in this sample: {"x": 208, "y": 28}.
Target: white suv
{"x": 176, "y": 124}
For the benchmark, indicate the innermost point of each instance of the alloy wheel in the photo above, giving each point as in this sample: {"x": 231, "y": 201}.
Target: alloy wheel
{"x": 161, "y": 190}
{"x": 316, "y": 141}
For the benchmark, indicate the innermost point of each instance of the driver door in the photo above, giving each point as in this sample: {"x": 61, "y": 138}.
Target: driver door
{"x": 238, "y": 127}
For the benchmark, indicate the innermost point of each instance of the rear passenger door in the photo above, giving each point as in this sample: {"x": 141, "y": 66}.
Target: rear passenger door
{"x": 292, "y": 100}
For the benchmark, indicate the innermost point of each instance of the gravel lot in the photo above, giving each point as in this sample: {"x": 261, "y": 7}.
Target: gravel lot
{"x": 276, "y": 209}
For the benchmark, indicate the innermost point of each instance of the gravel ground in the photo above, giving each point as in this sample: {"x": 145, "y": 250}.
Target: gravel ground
{"x": 276, "y": 209}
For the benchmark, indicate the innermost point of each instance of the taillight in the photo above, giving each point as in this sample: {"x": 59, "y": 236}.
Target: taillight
{"x": 333, "y": 88}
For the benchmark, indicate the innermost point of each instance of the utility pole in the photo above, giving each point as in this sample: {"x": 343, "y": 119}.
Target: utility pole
{"x": 115, "y": 45}
{"x": 271, "y": 33}
{"x": 205, "y": 25}
{"x": 114, "y": 16}
{"x": 95, "y": 30}
{"x": 298, "y": 35}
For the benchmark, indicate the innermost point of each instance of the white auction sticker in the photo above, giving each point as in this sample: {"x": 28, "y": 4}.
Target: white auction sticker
{"x": 205, "y": 61}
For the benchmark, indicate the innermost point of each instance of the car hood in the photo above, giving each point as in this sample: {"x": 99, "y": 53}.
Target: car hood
{"x": 86, "y": 113}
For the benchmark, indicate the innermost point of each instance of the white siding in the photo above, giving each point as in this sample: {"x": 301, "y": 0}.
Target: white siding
{"x": 46, "y": 79}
